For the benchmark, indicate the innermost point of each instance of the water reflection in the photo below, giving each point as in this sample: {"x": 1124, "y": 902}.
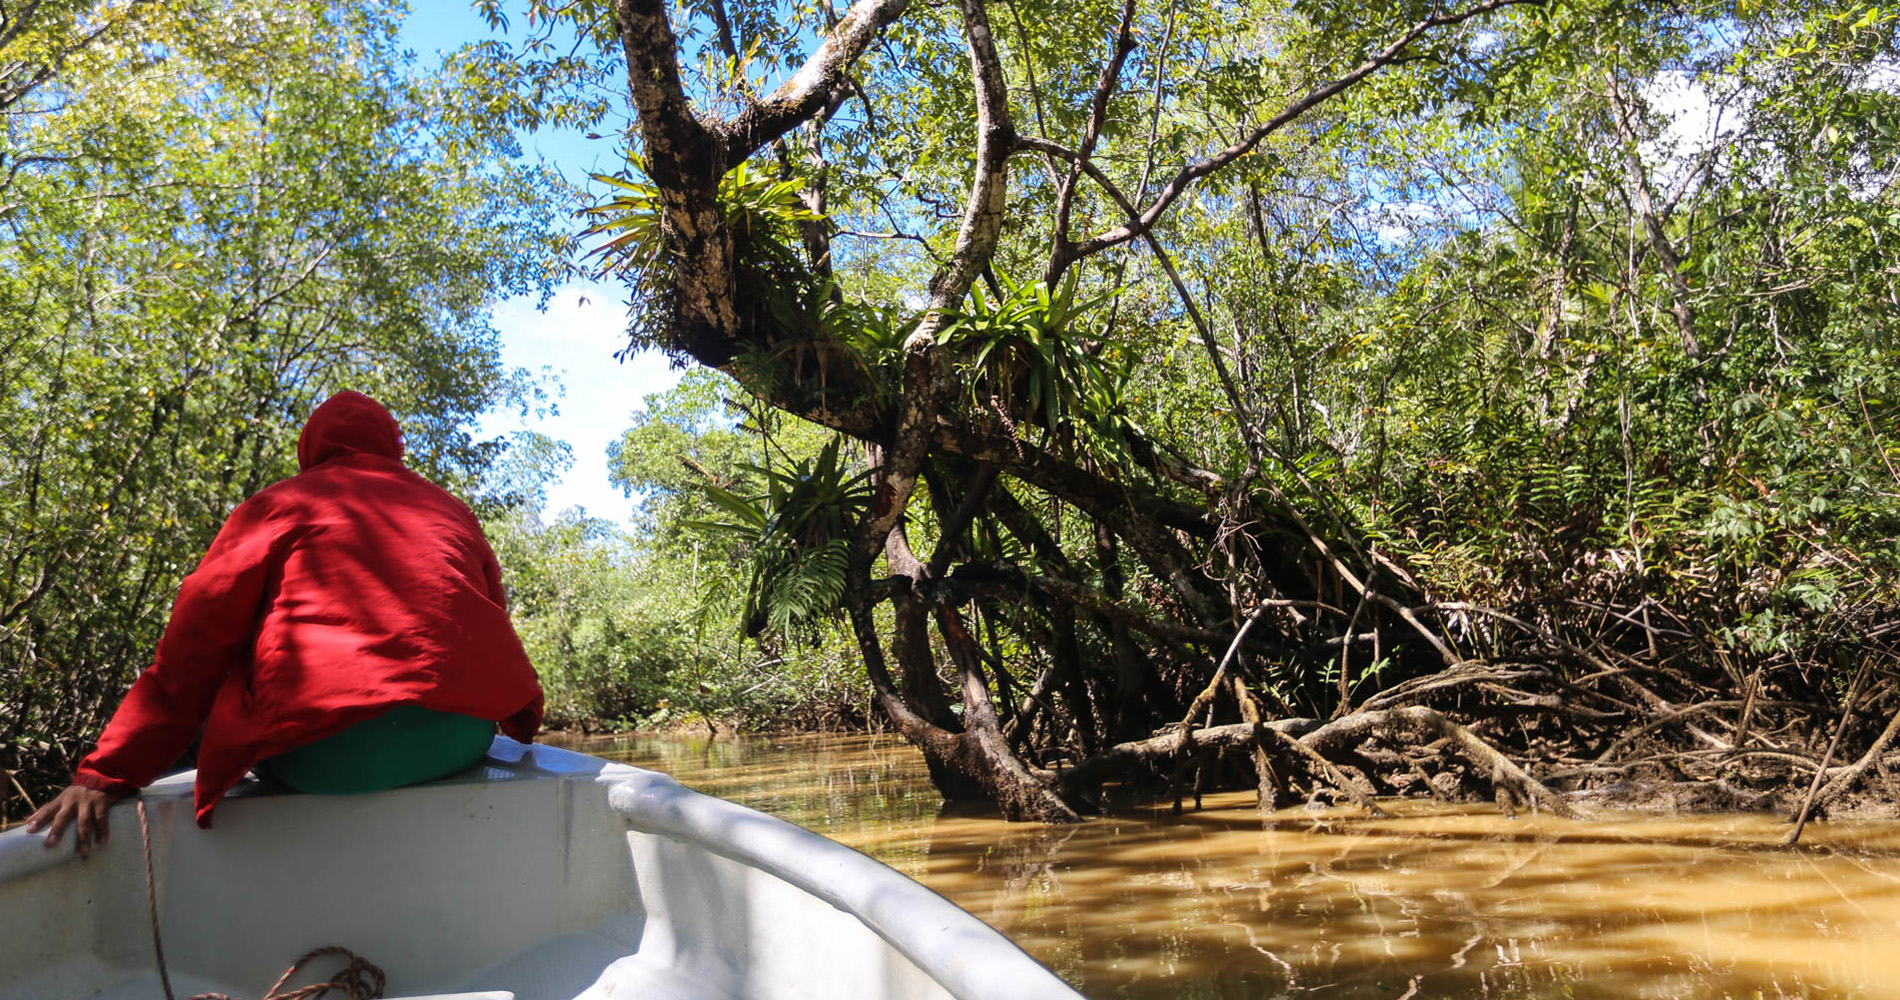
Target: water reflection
{"x": 1433, "y": 902}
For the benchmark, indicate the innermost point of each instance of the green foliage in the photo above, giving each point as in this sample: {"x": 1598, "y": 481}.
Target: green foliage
{"x": 518, "y": 479}
{"x": 690, "y": 588}
{"x": 602, "y": 652}
{"x": 1451, "y": 319}
{"x": 217, "y": 214}
{"x": 623, "y": 635}
{"x": 1494, "y": 327}
{"x": 762, "y": 215}
{"x": 799, "y": 533}
{"x": 641, "y": 627}
{"x": 39, "y": 40}
{"x": 638, "y": 248}
{"x": 1538, "y": 406}
{"x": 752, "y": 205}
{"x": 1030, "y": 358}
{"x": 873, "y": 337}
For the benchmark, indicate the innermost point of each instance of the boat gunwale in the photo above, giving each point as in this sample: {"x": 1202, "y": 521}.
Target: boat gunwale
{"x": 951, "y": 946}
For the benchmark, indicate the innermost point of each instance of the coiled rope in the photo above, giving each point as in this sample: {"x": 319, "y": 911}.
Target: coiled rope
{"x": 358, "y": 980}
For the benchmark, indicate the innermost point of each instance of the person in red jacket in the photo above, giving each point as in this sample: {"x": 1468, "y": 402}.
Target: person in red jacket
{"x": 347, "y": 627}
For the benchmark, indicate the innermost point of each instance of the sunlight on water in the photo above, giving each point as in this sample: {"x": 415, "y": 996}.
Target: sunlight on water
{"x": 1435, "y": 902}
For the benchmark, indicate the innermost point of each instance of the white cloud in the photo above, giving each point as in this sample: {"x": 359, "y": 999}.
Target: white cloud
{"x": 576, "y": 338}
{"x": 1699, "y": 123}
{"x": 1883, "y": 74}
{"x": 1396, "y": 222}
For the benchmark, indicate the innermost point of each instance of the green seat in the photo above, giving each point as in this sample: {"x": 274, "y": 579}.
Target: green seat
{"x": 403, "y": 746}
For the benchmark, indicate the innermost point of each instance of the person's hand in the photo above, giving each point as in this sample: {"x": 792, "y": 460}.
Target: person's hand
{"x": 79, "y": 805}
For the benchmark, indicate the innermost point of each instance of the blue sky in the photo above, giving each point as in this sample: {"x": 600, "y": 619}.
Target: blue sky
{"x": 584, "y": 324}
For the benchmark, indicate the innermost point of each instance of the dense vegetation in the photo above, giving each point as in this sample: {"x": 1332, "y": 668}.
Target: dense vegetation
{"x": 214, "y": 215}
{"x": 643, "y": 628}
{"x": 1350, "y": 392}
{"x": 1494, "y": 400}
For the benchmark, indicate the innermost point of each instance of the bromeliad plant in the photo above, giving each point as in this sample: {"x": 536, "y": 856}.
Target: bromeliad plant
{"x": 1028, "y": 358}
{"x": 799, "y": 533}
{"x": 763, "y": 215}
{"x": 753, "y": 204}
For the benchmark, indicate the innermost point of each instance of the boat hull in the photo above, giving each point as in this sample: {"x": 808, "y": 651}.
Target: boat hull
{"x": 547, "y": 874}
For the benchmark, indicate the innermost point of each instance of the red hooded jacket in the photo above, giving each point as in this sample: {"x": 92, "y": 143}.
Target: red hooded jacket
{"x": 326, "y": 599}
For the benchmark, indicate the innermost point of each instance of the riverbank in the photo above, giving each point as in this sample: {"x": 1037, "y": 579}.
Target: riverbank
{"x": 1877, "y": 798}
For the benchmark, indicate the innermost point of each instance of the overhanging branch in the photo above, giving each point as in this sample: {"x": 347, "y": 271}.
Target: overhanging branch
{"x": 1393, "y": 53}
{"x": 814, "y": 85}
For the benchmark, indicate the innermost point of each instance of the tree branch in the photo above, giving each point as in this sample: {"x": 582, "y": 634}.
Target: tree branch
{"x": 810, "y": 89}
{"x": 685, "y": 161}
{"x": 1645, "y": 204}
{"x": 1178, "y": 185}
{"x": 1060, "y": 247}
{"x": 974, "y": 496}
{"x": 926, "y": 382}
{"x": 995, "y": 140}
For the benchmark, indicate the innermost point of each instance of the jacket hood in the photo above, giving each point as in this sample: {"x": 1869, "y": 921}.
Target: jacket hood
{"x": 348, "y": 422}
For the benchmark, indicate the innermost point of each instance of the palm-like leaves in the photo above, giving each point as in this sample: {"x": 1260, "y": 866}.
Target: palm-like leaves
{"x": 800, "y": 531}
{"x": 755, "y": 206}
{"x": 1027, "y": 349}
{"x": 632, "y": 218}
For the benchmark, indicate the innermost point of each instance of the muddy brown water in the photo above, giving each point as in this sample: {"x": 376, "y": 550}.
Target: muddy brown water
{"x": 1434, "y": 902}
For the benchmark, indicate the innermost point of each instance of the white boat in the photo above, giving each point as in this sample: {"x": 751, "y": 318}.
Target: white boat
{"x": 545, "y": 874}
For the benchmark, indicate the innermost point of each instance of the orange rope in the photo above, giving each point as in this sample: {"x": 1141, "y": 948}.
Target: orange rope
{"x": 359, "y": 980}
{"x": 151, "y": 901}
